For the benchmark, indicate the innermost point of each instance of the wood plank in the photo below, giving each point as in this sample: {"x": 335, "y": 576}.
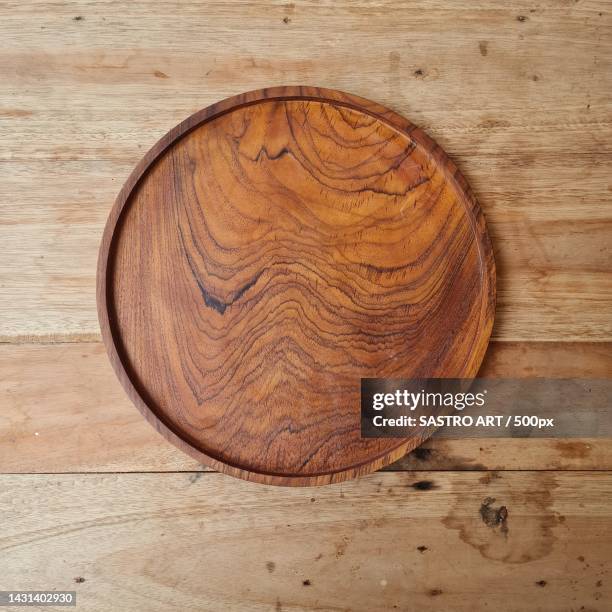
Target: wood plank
{"x": 530, "y": 128}
{"x": 480, "y": 62}
{"x": 63, "y": 410}
{"x": 175, "y": 542}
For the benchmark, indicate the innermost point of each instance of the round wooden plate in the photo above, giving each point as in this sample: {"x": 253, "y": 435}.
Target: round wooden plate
{"x": 268, "y": 253}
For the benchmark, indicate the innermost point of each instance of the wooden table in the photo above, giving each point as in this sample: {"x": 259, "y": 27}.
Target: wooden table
{"x": 93, "y": 500}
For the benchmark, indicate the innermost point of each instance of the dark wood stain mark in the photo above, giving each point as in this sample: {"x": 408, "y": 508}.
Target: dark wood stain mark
{"x": 424, "y": 485}
{"x": 79, "y": 579}
{"x": 422, "y": 453}
{"x": 541, "y": 583}
{"x": 491, "y": 536}
{"x": 483, "y": 47}
{"x": 161, "y": 75}
{"x": 434, "y": 592}
{"x": 422, "y": 549}
{"x": 494, "y": 517}
{"x": 521, "y": 18}
{"x": 270, "y": 566}
{"x": 78, "y": 18}
{"x": 306, "y": 582}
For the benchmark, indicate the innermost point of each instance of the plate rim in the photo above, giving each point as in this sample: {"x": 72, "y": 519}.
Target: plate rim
{"x": 293, "y": 92}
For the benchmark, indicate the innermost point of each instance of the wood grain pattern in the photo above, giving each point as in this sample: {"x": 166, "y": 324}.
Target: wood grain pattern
{"x": 174, "y": 542}
{"x": 530, "y": 129}
{"x": 271, "y": 251}
{"x": 63, "y": 410}
{"x": 523, "y": 107}
{"x": 553, "y": 256}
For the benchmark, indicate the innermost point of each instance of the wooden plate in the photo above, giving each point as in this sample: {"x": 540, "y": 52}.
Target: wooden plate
{"x": 270, "y": 251}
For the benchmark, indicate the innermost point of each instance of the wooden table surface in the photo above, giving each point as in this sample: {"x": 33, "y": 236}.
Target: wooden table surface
{"x": 93, "y": 500}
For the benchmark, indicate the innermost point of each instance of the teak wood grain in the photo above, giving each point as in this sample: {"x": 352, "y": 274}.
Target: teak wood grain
{"x": 271, "y": 251}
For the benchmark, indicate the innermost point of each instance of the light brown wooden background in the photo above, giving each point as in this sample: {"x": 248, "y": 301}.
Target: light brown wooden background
{"x": 91, "y": 499}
